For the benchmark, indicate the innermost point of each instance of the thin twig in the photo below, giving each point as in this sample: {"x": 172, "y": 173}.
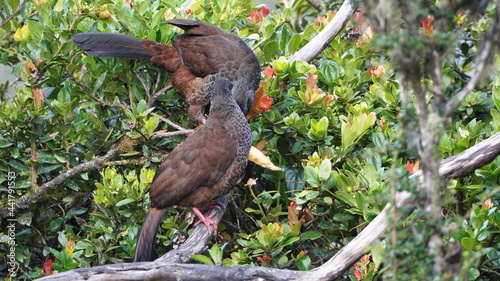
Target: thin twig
{"x": 315, "y": 5}
{"x": 180, "y": 128}
{"x": 144, "y": 86}
{"x": 155, "y": 96}
{"x": 13, "y": 14}
{"x": 170, "y": 134}
{"x": 124, "y": 105}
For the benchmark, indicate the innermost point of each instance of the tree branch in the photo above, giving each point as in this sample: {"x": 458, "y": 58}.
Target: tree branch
{"x": 466, "y": 162}
{"x": 312, "y": 49}
{"x": 472, "y": 158}
{"x": 196, "y": 243}
{"x": 33, "y": 195}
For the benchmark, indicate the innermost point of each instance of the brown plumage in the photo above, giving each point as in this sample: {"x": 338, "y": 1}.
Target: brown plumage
{"x": 196, "y": 58}
{"x": 205, "y": 166}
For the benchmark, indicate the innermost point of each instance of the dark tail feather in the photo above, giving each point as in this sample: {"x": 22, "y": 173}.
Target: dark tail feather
{"x": 147, "y": 237}
{"x": 113, "y": 45}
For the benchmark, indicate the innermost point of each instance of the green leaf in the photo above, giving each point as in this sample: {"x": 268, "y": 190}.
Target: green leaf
{"x": 286, "y": 35}
{"x": 142, "y": 106}
{"x": 293, "y": 44}
{"x": 378, "y": 253}
{"x": 329, "y": 72}
{"x": 310, "y": 235}
{"x": 346, "y": 197}
{"x": 270, "y": 50}
{"x": 311, "y": 176}
{"x": 318, "y": 129}
{"x": 303, "y": 262}
{"x": 19, "y": 165}
{"x": 325, "y": 169}
{"x": 474, "y": 273}
{"x": 76, "y": 211}
{"x": 294, "y": 179}
{"x": 468, "y": 243}
{"x": 54, "y": 224}
{"x": 496, "y": 94}
{"x": 216, "y": 254}
{"x": 330, "y": 181}
{"x": 125, "y": 202}
{"x": 151, "y": 124}
{"x": 48, "y": 168}
{"x": 202, "y": 259}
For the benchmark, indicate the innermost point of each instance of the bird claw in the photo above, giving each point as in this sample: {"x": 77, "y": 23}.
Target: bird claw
{"x": 206, "y": 220}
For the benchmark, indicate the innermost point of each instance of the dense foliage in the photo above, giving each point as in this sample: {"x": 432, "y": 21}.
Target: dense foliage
{"x": 333, "y": 124}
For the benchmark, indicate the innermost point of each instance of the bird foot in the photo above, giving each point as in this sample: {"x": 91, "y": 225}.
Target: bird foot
{"x": 206, "y": 220}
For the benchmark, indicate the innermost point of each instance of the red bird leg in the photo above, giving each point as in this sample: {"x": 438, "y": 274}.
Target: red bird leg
{"x": 211, "y": 205}
{"x": 206, "y": 220}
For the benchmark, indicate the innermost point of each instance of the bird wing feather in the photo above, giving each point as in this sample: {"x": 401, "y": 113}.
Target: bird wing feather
{"x": 201, "y": 58}
{"x": 195, "y": 163}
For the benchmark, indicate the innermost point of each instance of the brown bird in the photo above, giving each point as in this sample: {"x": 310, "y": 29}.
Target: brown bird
{"x": 206, "y": 165}
{"x": 197, "y": 57}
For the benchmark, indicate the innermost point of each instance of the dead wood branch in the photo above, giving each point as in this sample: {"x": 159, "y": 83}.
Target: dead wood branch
{"x": 33, "y": 195}
{"x": 312, "y": 49}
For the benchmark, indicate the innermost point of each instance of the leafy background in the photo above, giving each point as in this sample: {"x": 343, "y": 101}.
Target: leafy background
{"x": 335, "y": 126}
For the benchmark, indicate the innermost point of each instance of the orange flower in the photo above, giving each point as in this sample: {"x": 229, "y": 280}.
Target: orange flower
{"x": 47, "y": 267}
{"x": 251, "y": 182}
{"x": 428, "y": 25}
{"x": 293, "y": 213}
{"x": 269, "y": 72}
{"x": 265, "y": 259}
{"x": 264, "y": 11}
{"x": 460, "y": 18}
{"x": 262, "y": 104}
{"x": 359, "y": 18}
{"x": 487, "y": 204}
{"x": 358, "y": 272}
{"x": 257, "y": 16}
{"x": 319, "y": 21}
{"x": 412, "y": 168}
{"x": 38, "y": 97}
{"x": 311, "y": 81}
{"x": 365, "y": 259}
{"x": 376, "y": 71}
{"x": 29, "y": 66}
{"x": 265, "y": 103}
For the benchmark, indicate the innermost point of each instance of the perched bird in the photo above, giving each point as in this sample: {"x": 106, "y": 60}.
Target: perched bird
{"x": 203, "y": 53}
{"x": 206, "y": 165}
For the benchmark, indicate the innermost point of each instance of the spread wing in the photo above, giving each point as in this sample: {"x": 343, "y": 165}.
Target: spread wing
{"x": 200, "y": 160}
